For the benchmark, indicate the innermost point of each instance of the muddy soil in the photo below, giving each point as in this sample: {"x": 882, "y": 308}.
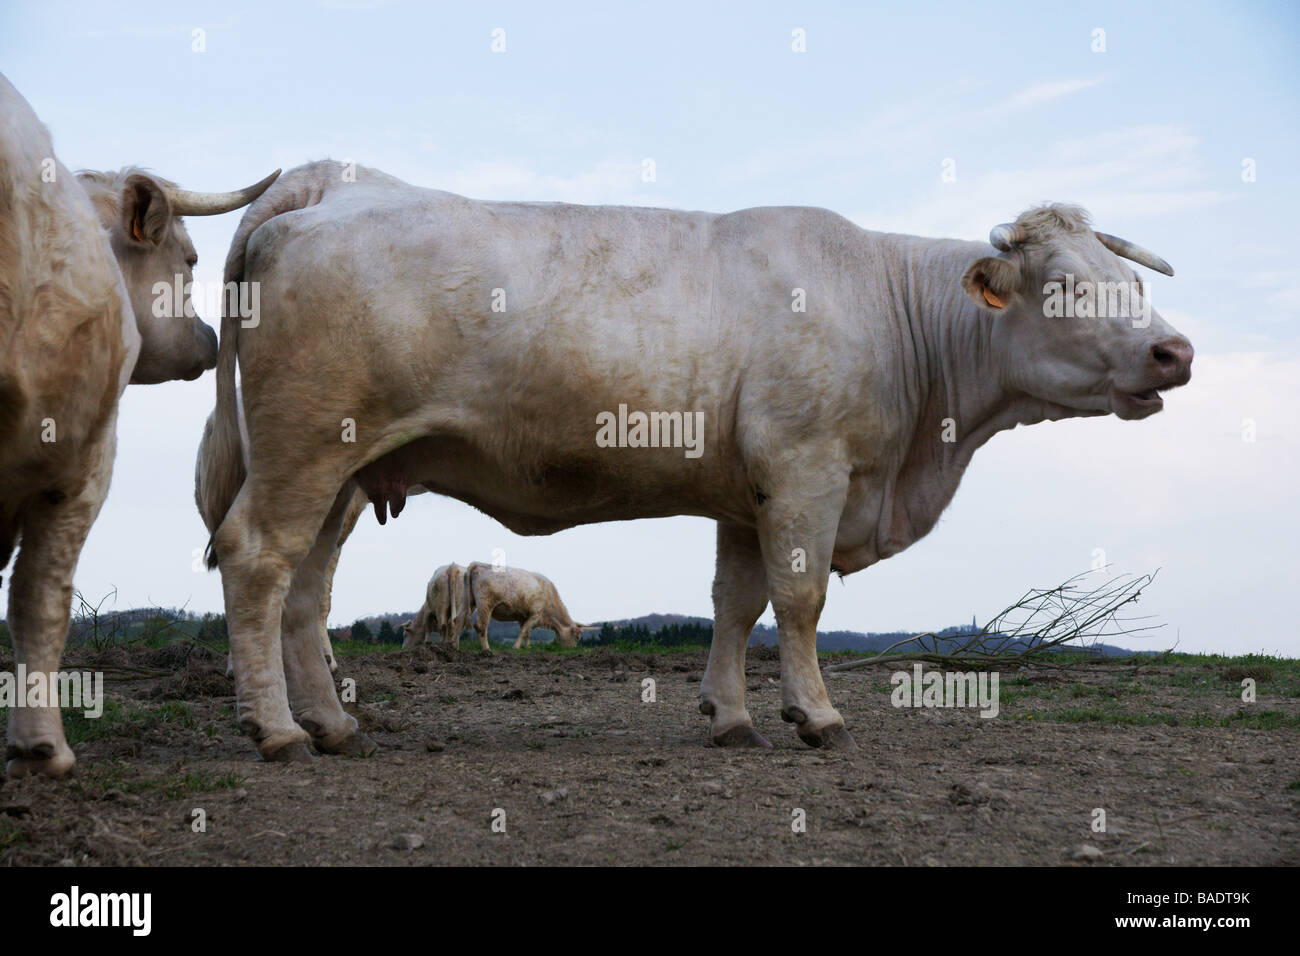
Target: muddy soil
{"x": 561, "y": 753}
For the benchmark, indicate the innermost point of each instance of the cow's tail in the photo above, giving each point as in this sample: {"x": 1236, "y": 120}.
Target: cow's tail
{"x": 455, "y": 580}
{"x": 220, "y": 470}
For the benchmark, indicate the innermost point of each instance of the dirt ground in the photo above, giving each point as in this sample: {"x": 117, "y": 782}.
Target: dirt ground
{"x": 562, "y": 750}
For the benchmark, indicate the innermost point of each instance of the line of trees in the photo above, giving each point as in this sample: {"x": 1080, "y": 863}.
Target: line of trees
{"x": 670, "y": 635}
{"x": 385, "y": 634}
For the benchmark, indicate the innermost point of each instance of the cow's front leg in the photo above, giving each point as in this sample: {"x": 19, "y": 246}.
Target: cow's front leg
{"x": 739, "y": 597}
{"x": 40, "y": 598}
{"x": 526, "y": 631}
{"x": 797, "y": 528}
{"x": 314, "y": 703}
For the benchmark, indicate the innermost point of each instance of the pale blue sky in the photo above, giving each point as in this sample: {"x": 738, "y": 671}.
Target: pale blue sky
{"x": 1150, "y": 135}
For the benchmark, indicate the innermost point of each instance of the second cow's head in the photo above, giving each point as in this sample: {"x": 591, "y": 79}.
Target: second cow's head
{"x": 1074, "y": 326}
{"x": 142, "y": 215}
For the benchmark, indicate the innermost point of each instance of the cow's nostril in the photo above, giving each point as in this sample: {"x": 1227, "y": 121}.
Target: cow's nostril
{"x": 1172, "y": 355}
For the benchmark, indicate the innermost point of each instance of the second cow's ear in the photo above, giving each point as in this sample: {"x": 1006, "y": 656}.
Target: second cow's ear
{"x": 146, "y": 211}
{"x": 991, "y": 283}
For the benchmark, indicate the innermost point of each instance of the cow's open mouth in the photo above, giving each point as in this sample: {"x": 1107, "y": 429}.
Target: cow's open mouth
{"x": 1149, "y": 396}
{"x": 1138, "y": 404}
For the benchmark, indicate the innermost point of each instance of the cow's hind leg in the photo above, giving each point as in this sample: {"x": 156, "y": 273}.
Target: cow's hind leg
{"x": 739, "y": 597}
{"x": 40, "y": 598}
{"x": 312, "y": 697}
{"x": 797, "y": 528}
{"x": 356, "y": 506}
{"x": 482, "y": 620}
{"x": 267, "y": 534}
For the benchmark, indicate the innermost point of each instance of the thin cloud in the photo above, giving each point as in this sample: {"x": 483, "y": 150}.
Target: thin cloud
{"x": 1041, "y": 93}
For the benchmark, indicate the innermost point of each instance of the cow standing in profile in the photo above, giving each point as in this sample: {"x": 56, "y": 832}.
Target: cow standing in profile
{"x": 512, "y": 594}
{"x": 476, "y": 347}
{"x": 79, "y": 257}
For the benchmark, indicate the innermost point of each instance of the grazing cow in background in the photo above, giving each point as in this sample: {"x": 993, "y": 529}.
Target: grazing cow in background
{"x": 511, "y": 594}
{"x": 446, "y": 607}
{"x": 837, "y": 381}
{"x": 79, "y": 257}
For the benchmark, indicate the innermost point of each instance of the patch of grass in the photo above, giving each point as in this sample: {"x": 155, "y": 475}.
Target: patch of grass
{"x": 125, "y": 720}
{"x": 171, "y": 784}
{"x": 1259, "y": 673}
{"x": 362, "y": 648}
{"x": 1008, "y": 697}
{"x": 11, "y": 835}
{"x": 1243, "y": 720}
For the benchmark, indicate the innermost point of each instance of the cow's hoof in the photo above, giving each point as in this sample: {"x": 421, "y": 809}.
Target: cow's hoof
{"x": 295, "y": 751}
{"x": 830, "y": 737}
{"x": 742, "y": 735}
{"x": 45, "y": 759}
{"x": 355, "y": 744}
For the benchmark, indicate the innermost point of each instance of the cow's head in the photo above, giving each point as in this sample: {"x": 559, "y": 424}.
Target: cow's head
{"x": 567, "y": 635}
{"x": 1073, "y": 326}
{"x": 415, "y": 631}
{"x": 142, "y": 214}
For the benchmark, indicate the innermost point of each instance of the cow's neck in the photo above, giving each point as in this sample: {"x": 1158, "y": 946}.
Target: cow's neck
{"x": 958, "y": 400}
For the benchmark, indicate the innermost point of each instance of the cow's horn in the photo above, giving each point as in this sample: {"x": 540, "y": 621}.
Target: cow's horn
{"x": 1135, "y": 253}
{"x": 187, "y": 203}
{"x": 1006, "y": 235}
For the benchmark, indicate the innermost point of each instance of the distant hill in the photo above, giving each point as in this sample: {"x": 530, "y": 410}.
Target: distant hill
{"x": 949, "y": 638}
{"x": 162, "y": 624}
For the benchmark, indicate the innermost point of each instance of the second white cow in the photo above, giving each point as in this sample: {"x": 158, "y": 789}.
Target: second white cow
{"x": 512, "y": 594}
{"x": 446, "y": 608}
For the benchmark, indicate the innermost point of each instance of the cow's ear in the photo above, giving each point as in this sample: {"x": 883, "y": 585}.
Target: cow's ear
{"x": 991, "y": 282}
{"x": 146, "y": 211}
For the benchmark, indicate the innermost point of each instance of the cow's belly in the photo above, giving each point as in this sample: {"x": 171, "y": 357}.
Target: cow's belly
{"x": 541, "y": 493}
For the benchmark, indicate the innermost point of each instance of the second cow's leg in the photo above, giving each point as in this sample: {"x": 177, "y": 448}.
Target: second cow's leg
{"x": 355, "y": 507}
{"x": 267, "y": 533}
{"x": 526, "y": 631}
{"x": 312, "y": 698}
{"x": 797, "y": 528}
{"x": 739, "y": 597}
{"x": 482, "y": 620}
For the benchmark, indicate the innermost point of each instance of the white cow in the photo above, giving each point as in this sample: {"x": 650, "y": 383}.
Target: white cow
{"x": 446, "y": 609}
{"x": 818, "y": 390}
{"x": 512, "y": 594}
{"x": 79, "y": 258}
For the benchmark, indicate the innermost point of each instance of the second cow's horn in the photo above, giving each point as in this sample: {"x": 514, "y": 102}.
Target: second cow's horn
{"x": 1135, "y": 253}
{"x": 185, "y": 202}
{"x": 1005, "y": 236}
